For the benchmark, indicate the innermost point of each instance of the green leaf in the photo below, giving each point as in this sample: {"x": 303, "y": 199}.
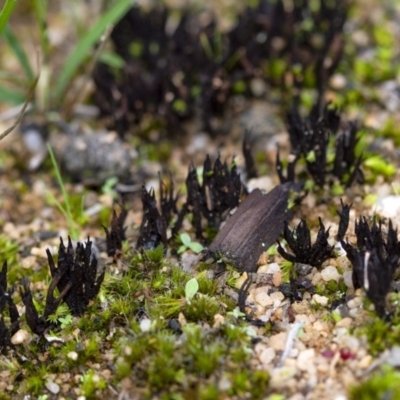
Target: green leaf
{"x": 6, "y": 13}
{"x": 11, "y": 96}
{"x": 84, "y": 47}
{"x": 112, "y": 60}
{"x": 191, "y": 288}
{"x": 19, "y": 52}
{"x": 185, "y": 239}
{"x": 196, "y": 247}
{"x": 379, "y": 166}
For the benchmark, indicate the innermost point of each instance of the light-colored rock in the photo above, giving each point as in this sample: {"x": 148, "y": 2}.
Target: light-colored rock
{"x": 330, "y": 273}
{"x": 263, "y": 299}
{"x": 322, "y": 300}
{"x": 73, "y": 355}
{"x": 19, "y": 337}
{"x": 267, "y": 356}
{"x": 52, "y": 387}
{"x": 278, "y": 341}
{"x": 348, "y": 279}
{"x": 277, "y": 279}
{"x": 354, "y": 303}
{"x": 306, "y": 359}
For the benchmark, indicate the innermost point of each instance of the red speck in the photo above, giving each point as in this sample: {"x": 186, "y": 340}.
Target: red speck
{"x": 346, "y": 354}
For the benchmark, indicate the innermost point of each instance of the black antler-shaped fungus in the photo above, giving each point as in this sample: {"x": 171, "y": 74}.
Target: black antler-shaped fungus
{"x": 78, "y": 271}
{"x": 153, "y": 229}
{"x": 116, "y": 235}
{"x": 344, "y": 216}
{"x": 212, "y": 199}
{"x": 299, "y": 241}
{"x": 39, "y": 324}
{"x": 7, "y": 300}
{"x": 374, "y": 261}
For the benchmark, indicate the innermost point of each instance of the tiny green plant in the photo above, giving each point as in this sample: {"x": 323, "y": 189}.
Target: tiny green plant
{"x": 188, "y": 244}
{"x": 191, "y": 288}
{"x": 65, "y": 207}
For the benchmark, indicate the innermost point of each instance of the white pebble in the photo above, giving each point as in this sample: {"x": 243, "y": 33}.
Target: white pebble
{"x": 348, "y": 279}
{"x": 267, "y": 356}
{"x": 330, "y": 273}
{"x": 52, "y": 387}
{"x": 317, "y": 299}
{"x": 305, "y": 359}
{"x": 73, "y": 355}
{"x": 354, "y": 303}
{"x": 20, "y": 337}
{"x": 145, "y": 325}
{"x": 263, "y": 299}
{"x": 273, "y": 268}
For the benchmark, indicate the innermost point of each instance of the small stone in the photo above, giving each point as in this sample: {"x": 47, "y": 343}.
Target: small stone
{"x": 303, "y": 269}
{"x": 278, "y": 341}
{"x": 52, "y": 387}
{"x": 343, "y": 262}
{"x": 348, "y": 279}
{"x": 330, "y": 273}
{"x": 20, "y": 337}
{"x": 354, "y": 303}
{"x": 263, "y": 259}
{"x": 365, "y": 362}
{"x": 277, "y": 279}
{"x": 344, "y": 323}
{"x": 317, "y": 299}
{"x": 267, "y": 356}
{"x": 277, "y": 296}
{"x": 305, "y": 359}
{"x": 263, "y": 299}
{"x": 145, "y": 324}
{"x": 338, "y": 81}
{"x": 73, "y": 355}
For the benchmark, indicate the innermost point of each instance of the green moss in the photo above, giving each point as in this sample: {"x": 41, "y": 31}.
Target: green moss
{"x": 382, "y": 385}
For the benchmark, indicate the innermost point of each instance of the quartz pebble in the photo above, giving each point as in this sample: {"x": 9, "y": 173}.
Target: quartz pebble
{"x": 20, "y": 337}
{"x": 263, "y": 299}
{"x": 52, "y": 387}
{"x": 266, "y": 356}
{"x": 354, "y": 303}
{"x": 317, "y": 299}
{"x": 330, "y": 273}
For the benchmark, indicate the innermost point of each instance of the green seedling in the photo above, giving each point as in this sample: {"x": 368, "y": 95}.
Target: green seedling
{"x": 65, "y": 207}
{"x": 191, "y": 288}
{"x": 188, "y": 244}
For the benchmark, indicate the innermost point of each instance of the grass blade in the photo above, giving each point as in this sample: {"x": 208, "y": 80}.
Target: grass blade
{"x": 19, "y": 52}
{"x": 11, "y": 96}
{"x": 28, "y": 98}
{"x": 85, "y": 45}
{"x": 66, "y": 208}
{"x": 6, "y": 13}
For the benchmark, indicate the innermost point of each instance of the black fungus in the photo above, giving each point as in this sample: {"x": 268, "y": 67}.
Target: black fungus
{"x": 153, "y": 229}
{"x": 170, "y": 72}
{"x": 7, "y": 302}
{"x": 116, "y": 235}
{"x": 374, "y": 260}
{"x": 310, "y": 139}
{"x": 344, "y": 216}
{"x": 212, "y": 198}
{"x": 299, "y": 241}
{"x": 76, "y": 274}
